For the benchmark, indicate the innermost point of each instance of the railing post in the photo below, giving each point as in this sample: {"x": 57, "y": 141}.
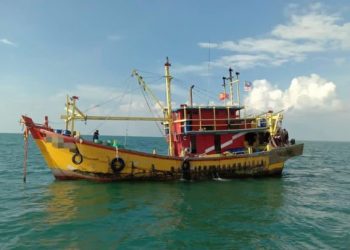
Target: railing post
{"x": 185, "y": 120}
{"x": 200, "y": 118}
{"x": 214, "y": 118}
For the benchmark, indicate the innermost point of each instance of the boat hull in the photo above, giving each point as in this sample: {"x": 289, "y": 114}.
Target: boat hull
{"x": 71, "y": 158}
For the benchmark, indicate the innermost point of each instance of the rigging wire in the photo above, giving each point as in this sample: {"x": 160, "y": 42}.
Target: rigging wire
{"x": 110, "y": 99}
{"x": 205, "y": 94}
{"x": 122, "y": 95}
{"x": 201, "y": 91}
{"x": 156, "y": 77}
{"x": 180, "y": 81}
{"x": 127, "y": 122}
{"x": 150, "y": 109}
{"x": 148, "y": 72}
{"x": 208, "y": 79}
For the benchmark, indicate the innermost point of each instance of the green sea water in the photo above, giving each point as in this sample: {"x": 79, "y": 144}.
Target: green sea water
{"x": 307, "y": 208}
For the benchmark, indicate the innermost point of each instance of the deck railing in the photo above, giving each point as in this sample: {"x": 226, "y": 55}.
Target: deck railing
{"x": 265, "y": 121}
{"x": 216, "y": 124}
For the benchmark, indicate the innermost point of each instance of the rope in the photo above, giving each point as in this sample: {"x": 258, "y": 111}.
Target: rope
{"x": 127, "y": 123}
{"x": 110, "y": 99}
{"x": 25, "y": 134}
{"x": 209, "y": 61}
{"x": 122, "y": 95}
{"x": 198, "y": 90}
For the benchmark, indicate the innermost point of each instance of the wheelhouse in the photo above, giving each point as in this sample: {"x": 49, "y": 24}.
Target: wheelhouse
{"x": 206, "y": 130}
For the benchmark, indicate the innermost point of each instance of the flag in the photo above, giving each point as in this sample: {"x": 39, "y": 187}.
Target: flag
{"x": 247, "y": 86}
{"x": 223, "y": 96}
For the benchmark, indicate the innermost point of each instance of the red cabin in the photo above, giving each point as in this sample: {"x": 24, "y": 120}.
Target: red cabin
{"x": 199, "y": 130}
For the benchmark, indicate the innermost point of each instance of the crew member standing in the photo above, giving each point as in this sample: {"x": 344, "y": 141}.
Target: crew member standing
{"x": 96, "y": 134}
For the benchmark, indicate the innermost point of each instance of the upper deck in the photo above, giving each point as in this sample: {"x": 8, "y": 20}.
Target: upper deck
{"x": 214, "y": 120}
{"x": 213, "y": 129}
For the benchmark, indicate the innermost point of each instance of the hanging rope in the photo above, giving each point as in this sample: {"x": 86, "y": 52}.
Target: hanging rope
{"x": 25, "y": 135}
{"x": 127, "y": 123}
{"x": 209, "y": 61}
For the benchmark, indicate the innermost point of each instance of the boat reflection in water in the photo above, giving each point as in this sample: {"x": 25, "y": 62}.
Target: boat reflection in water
{"x": 124, "y": 206}
{"x": 131, "y": 212}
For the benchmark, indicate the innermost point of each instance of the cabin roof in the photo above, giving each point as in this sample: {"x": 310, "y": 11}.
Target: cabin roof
{"x": 228, "y": 131}
{"x": 208, "y": 107}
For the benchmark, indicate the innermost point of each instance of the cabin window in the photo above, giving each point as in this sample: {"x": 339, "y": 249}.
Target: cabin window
{"x": 193, "y": 145}
{"x": 217, "y": 143}
{"x": 250, "y": 138}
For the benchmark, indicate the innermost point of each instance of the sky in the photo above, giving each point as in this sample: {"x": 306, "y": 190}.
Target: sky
{"x": 296, "y": 54}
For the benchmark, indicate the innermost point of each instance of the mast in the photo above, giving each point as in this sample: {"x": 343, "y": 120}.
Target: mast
{"x": 67, "y": 112}
{"x": 238, "y": 94}
{"x": 74, "y": 98}
{"x": 231, "y": 86}
{"x": 224, "y": 85}
{"x": 169, "y": 109}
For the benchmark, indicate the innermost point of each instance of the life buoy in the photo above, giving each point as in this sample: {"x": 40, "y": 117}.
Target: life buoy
{"x": 77, "y": 158}
{"x": 117, "y": 165}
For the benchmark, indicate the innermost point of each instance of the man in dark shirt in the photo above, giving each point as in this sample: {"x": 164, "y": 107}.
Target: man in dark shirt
{"x": 96, "y": 134}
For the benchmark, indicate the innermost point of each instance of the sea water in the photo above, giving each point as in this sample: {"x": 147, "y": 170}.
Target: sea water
{"x": 308, "y": 207}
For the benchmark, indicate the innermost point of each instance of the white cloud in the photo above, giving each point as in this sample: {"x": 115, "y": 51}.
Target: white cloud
{"x": 317, "y": 27}
{"x": 7, "y": 42}
{"x": 242, "y": 60}
{"x": 307, "y": 94}
{"x": 201, "y": 69}
{"x": 208, "y": 45}
{"x": 305, "y": 32}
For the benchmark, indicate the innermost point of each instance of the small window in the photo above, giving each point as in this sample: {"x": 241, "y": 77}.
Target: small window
{"x": 217, "y": 143}
{"x": 193, "y": 145}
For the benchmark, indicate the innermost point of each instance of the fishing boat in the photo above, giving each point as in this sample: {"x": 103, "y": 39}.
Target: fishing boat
{"x": 204, "y": 142}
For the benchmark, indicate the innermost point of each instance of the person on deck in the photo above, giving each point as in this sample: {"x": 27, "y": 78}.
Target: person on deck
{"x": 96, "y": 134}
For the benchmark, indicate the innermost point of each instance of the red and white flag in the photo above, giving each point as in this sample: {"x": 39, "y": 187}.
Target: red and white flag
{"x": 223, "y": 96}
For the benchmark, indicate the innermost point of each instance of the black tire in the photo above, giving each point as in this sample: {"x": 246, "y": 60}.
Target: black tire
{"x": 77, "y": 158}
{"x": 117, "y": 165}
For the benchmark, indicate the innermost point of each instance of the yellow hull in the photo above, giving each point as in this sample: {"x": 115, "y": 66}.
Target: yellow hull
{"x": 86, "y": 160}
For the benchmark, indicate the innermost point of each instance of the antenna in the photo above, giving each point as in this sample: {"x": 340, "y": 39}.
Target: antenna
{"x": 238, "y": 94}
{"x": 209, "y": 60}
{"x": 231, "y": 85}
{"x": 224, "y": 85}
